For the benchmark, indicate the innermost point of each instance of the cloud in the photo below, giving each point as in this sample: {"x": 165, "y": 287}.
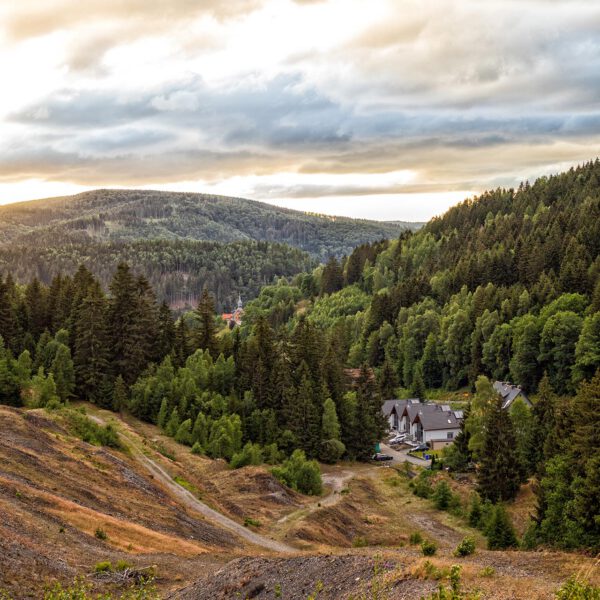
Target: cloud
{"x": 465, "y": 96}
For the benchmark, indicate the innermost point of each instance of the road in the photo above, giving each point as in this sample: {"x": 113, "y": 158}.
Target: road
{"x": 402, "y": 456}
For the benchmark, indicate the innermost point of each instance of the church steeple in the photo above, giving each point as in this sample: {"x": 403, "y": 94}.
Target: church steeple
{"x": 240, "y": 305}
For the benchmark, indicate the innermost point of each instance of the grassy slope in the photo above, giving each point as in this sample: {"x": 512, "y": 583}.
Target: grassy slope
{"x": 56, "y": 490}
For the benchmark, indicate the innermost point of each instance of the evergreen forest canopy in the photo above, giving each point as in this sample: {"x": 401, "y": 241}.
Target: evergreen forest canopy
{"x": 505, "y": 286}
{"x": 131, "y": 215}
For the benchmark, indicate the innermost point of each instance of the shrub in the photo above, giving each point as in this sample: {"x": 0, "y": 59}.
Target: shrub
{"x": 91, "y": 432}
{"x": 122, "y": 565}
{"x": 415, "y": 538}
{"x": 421, "y": 486}
{"x": 300, "y": 474}
{"x": 500, "y": 532}
{"x": 359, "y": 542}
{"x": 466, "y": 547}
{"x": 428, "y": 548}
{"x": 577, "y": 590}
{"x": 251, "y": 454}
{"x": 103, "y": 567}
{"x": 249, "y": 521}
{"x": 197, "y": 449}
{"x": 454, "y": 592}
{"x": 488, "y": 571}
{"x": 100, "y": 534}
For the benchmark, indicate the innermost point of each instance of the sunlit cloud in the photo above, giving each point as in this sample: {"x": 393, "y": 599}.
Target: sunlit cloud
{"x": 388, "y": 108}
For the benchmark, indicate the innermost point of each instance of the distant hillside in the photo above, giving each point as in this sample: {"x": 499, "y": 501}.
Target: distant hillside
{"x": 126, "y": 215}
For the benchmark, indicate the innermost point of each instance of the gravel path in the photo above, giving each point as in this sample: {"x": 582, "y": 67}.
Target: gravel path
{"x": 189, "y": 500}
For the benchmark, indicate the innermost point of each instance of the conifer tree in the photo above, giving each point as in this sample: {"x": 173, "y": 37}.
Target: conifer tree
{"x": 417, "y": 388}
{"x": 173, "y": 423}
{"x": 9, "y": 325}
{"x": 120, "y": 395}
{"x": 332, "y": 278}
{"x": 166, "y": 333}
{"x": 206, "y": 335}
{"x": 388, "y": 381}
{"x": 369, "y": 418}
{"x": 63, "y": 372}
{"x": 499, "y": 472}
{"x": 92, "y": 354}
{"x": 500, "y": 532}
{"x": 306, "y": 418}
{"x": 332, "y": 447}
{"x": 163, "y": 414}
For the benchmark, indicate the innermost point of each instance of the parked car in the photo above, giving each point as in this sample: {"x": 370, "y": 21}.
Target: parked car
{"x": 420, "y": 448}
{"x": 379, "y": 457}
{"x": 398, "y": 438}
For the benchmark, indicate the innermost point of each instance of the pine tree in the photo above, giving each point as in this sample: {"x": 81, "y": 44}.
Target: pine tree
{"x": 166, "y": 333}
{"x": 206, "y": 338}
{"x": 173, "y": 423}
{"x": 123, "y": 319}
{"x": 417, "y": 389}
{"x": 500, "y": 532}
{"x": 332, "y": 278}
{"x": 9, "y": 325}
{"x": 92, "y": 347}
{"x": 163, "y": 414}
{"x": 306, "y": 420}
{"x": 369, "y": 418}
{"x": 63, "y": 372}
{"x": 499, "y": 473}
{"x": 120, "y": 394}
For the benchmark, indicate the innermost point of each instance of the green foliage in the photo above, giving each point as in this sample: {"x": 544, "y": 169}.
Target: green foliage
{"x": 415, "y": 538}
{"x": 300, "y": 474}
{"x": 104, "y": 566}
{"x": 421, "y": 486}
{"x": 465, "y": 548}
{"x": 578, "y": 590}
{"x": 454, "y": 592}
{"x": 100, "y": 534}
{"x": 500, "y": 532}
{"x": 442, "y": 495}
{"x": 91, "y": 432}
{"x": 80, "y": 590}
{"x": 250, "y": 522}
{"x": 428, "y": 547}
{"x": 251, "y": 454}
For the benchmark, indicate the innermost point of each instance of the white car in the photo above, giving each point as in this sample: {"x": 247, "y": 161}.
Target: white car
{"x": 398, "y": 438}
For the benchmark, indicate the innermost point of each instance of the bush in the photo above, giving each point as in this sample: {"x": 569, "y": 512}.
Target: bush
{"x": 577, "y": 590}
{"x": 359, "y": 542}
{"x": 300, "y": 474}
{"x": 249, "y": 521}
{"x": 466, "y": 547}
{"x": 103, "y": 567}
{"x": 100, "y": 534}
{"x": 454, "y": 592}
{"x": 422, "y": 486}
{"x": 487, "y": 571}
{"x": 251, "y": 454}
{"x": 415, "y": 538}
{"x": 428, "y": 548}
{"x": 91, "y": 432}
{"x": 197, "y": 449}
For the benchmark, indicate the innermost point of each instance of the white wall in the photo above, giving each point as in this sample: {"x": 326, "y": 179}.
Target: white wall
{"x": 440, "y": 434}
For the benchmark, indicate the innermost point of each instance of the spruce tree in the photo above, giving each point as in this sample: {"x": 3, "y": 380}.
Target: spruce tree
{"x": 500, "y": 532}
{"x": 499, "y": 473}
{"x": 120, "y": 394}
{"x": 64, "y": 372}
{"x": 369, "y": 418}
{"x": 388, "y": 381}
{"x": 92, "y": 353}
{"x": 9, "y": 325}
{"x": 206, "y": 338}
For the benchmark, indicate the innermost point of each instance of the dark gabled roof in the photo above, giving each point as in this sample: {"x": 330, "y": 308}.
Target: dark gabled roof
{"x": 433, "y": 416}
{"x": 389, "y": 405}
{"x": 509, "y": 393}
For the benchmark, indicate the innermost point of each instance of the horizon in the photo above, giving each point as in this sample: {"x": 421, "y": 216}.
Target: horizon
{"x": 400, "y": 114}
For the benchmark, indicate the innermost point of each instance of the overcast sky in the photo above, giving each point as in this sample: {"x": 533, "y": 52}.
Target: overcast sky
{"x": 388, "y": 109}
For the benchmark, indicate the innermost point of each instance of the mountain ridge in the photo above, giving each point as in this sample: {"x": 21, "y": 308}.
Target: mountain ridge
{"x": 128, "y": 215}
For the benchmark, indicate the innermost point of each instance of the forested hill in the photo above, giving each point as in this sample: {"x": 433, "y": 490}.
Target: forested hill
{"x": 125, "y": 215}
{"x": 505, "y": 285}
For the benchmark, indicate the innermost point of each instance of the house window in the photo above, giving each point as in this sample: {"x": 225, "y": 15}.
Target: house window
{"x": 450, "y": 435}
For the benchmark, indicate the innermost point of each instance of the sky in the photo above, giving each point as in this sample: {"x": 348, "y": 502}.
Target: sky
{"x": 383, "y": 109}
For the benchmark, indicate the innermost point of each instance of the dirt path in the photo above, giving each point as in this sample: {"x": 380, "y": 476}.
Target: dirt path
{"x": 189, "y": 500}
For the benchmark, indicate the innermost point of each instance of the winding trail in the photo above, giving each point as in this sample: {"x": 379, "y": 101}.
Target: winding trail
{"x": 189, "y": 500}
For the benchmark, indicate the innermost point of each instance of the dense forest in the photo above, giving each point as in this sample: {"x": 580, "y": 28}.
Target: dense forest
{"x": 124, "y": 215}
{"x": 262, "y": 397}
{"x": 504, "y": 286}
{"x": 177, "y": 270}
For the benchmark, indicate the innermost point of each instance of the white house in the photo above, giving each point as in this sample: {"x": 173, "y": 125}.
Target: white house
{"x": 429, "y": 422}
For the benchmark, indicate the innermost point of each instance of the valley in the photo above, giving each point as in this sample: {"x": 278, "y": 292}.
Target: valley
{"x": 146, "y": 505}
